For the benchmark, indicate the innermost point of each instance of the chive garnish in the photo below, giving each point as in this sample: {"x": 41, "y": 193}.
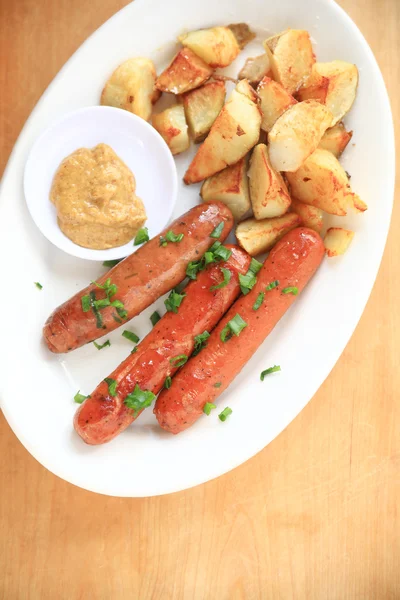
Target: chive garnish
{"x": 101, "y": 346}
{"x": 200, "y": 342}
{"x": 225, "y": 414}
{"x": 155, "y": 317}
{"x": 259, "y": 301}
{"x": 79, "y": 398}
{"x": 216, "y": 233}
{"x": 111, "y": 263}
{"x": 173, "y": 302}
{"x": 218, "y": 384}
{"x": 85, "y": 300}
{"x": 99, "y": 319}
{"x": 272, "y": 285}
{"x": 247, "y": 282}
{"x": 139, "y": 399}
{"x": 269, "y": 371}
{"x": 255, "y": 266}
{"x": 170, "y": 236}
{"x": 131, "y": 336}
{"x": 207, "y": 408}
{"x": 227, "y": 277}
{"x": 290, "y": 290}
{"x": 38, "y": 285}
{"x": 112, "y": 386}
{"x": 233, "y": 327}
{"x": 167, "y": 383}
{"x": 141, "y": 237}
{"x": 178, "y": 361}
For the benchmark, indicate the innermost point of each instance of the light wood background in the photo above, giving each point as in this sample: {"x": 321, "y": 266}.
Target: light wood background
{"x": 316, "y": 515}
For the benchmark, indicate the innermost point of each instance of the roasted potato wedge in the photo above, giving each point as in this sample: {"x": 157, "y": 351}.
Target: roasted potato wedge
{"x": 322, "y": 182}
{"x": 234, "y": 132}
{"x": 230, "y": 186}
{"x": 268, "y": 192}
{"x": 291, "y": 57}
{"x": 334, "y": 84}
{"x": 186, "y": 72}
{"x": 217, "y": 46}
{"x": 254, "y": 69}
{"x": 274, "y": 101}
{"x": 311, "y": 216}
{"x": 242, "y": 33}
{"x": 259, "y": 236}
{"x": 335, "y": 139}
{"x": 202, "y": 106}
{"x": 171, "y": 125}
{"x": 297, "y": 133}
{"x": 337, "y": 240}
{"x": 131, "y": 87}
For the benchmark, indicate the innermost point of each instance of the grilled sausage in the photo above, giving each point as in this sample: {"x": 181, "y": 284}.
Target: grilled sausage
{"x": 292, "y": 262}
{"x": 140, "y": 279}
{"x": 103, "y": 416}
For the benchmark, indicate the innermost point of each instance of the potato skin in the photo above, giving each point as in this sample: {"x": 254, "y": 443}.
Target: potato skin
{"x": 216, "y": 46}
{"x": 335, "y": 85}
{"x": 234, "y": 132}
{"x": 131, "y": 87}
{"x": 268, "y": 192}
{"x": 337, "y": 241}
{"x": 254, "y": 69}
{"x": 322, "y": 182}
{"x": 186, "y": 72}
{"x": 230, "y": 186}
{"x": 274, "y": 101}
{"x": 171, "y": 125}
{"x": 335, "y": 139}
{"x": 297, "y": 133}
{"x": 202, "y": 106}
{"x": 292, "y": 58}
{"x": 259, "y": 236}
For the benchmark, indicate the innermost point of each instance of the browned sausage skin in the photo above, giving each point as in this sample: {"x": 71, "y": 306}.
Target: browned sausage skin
{"x": 292, "y": 262}
{"x": 140, "y": 279}
{"x": 102, "y": 416}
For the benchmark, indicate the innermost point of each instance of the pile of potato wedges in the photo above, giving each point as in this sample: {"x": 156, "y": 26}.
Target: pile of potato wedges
{"x": 271, "y": 150}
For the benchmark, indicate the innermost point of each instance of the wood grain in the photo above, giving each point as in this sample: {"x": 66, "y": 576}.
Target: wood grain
{"x": 315, "y": 515}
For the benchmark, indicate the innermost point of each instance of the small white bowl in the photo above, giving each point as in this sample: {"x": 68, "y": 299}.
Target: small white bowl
{"x": 135, "y": 141}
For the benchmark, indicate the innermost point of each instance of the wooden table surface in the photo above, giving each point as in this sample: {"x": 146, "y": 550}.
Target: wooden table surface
{"x": 316, "y": 515}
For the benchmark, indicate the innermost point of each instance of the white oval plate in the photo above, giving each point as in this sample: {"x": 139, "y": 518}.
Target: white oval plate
{"x": 135, "y": 141}
{"x": 38, "y": 388}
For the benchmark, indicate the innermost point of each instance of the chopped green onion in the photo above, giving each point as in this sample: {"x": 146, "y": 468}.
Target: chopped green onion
{"x": 214, "y": 247}
{"x": 141, "y": 237}
{"x": 117, "y": 319}
{"x": 163, "y": 241}
{"x": 272, "y": 285}
{"x": 207, "y": 408}
{"x": 99, "y": 319}
{"x": 173, "y": 302}
{"x": 234, "y": 326}
{"x": 216, "y": 233}
{"x": 167, "y": 383}
{"x": 112, "y": 386}
{"x": 208, "y": 258}
{"x": 132, "y": 337}
{"x": 200, "y": 342}
{"x": 178, "y": 361}
{"x": 99, "y": 304}
{"x": 134, "y": 350}
{"x": 155, "y": 317}
{"x": 193, "y": 268}
{"x": 227, "y": 277}
{"x": 79, "y": 398}
{"x": 121, "y": 312}
{"x": 222, "y": 253}
{"x": 247, "y": 282}
{"x": 255, "y": 266}
{"x": 225, "y": 414}
{"x": 218, "y": 384}
{"x": 269, "y": 371}
{"x": 139, "y": 399}
{"x": 111, "y": 263}
{"x": 101, "y": 346}
{"x": 290, "y": 290}
{"x": 85, "y": 300}
{"x": 38, "y": 285}
{"x": 172, "y": 237}
{"x": 259, "y": 301}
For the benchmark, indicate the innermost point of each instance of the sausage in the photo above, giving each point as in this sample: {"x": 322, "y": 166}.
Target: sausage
{"x": 292, "y": 262}
{"x": 140, "y": 279}
{"x": 102, "y": 417}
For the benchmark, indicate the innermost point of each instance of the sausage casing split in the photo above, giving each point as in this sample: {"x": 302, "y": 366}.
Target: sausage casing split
{"x": 140, "y": 278}
{"x": 102, "y": 417}
{"x": 292, "y": 262}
